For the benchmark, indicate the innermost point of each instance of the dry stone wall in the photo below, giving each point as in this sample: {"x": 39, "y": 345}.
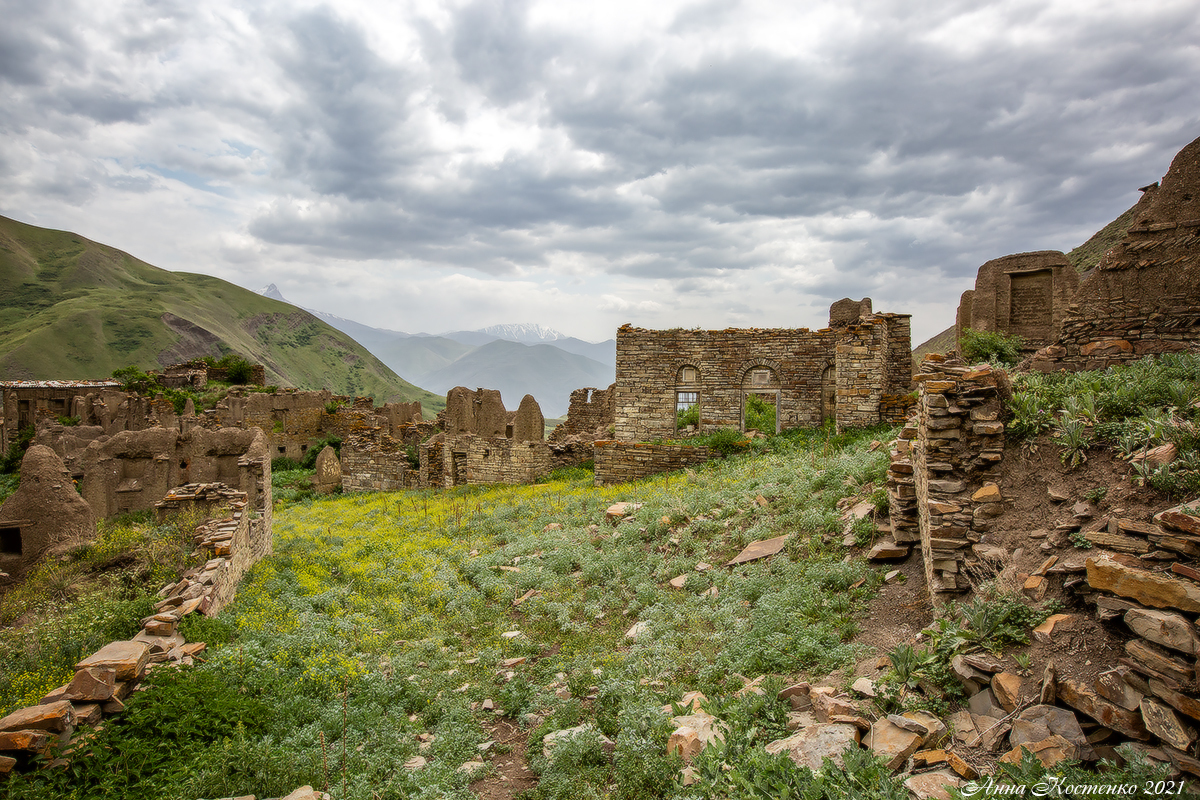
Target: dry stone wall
{"x": 589, "y": 416}
{"x": 942, "y": 482}
{"x": 618, "y": 462}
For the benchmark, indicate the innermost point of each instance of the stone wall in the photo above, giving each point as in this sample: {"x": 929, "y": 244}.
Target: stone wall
{"x": 1144, "y": 296}
{"x": 843, "y": 373}
{"x": 1027, "y": 295}
{"x": 590, "y": 415}
{"x": 235, "y": 540}
{"x": 375, "y": 461}
{"x": 942, "y": 483}
{"x": 617, "y": 462}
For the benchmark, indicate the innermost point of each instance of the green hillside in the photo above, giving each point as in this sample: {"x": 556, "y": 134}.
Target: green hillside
{"x": 73, "y": 308}
{"x": 1085, "y": 257}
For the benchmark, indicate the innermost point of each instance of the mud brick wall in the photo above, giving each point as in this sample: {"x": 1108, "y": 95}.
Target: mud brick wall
{"x": 591, "y": 410}
{"x": 942, "y": 482}
{"x": 618, "y": 462}
{"x": 132, "y": 470}
{"x": 857, "y": 364}
{"x": 1026, "y": 294}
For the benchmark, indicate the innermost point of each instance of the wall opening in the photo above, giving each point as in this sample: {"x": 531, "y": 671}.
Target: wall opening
{"x": 829, "y": 394}
{"x": 687, "y": 399}
{"x": 10, "y": 541}
{"x": 761, "y": 394}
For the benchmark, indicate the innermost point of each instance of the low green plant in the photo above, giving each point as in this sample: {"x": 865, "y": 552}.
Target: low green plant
{"x": 1072, "y": 435}
{"x": 11, "y": 463}
{"x": 993, "y": 347}
{"x": 1080, "y": 540}
{"x": 1096, "y": 494}
{"x": 760, "y": 415}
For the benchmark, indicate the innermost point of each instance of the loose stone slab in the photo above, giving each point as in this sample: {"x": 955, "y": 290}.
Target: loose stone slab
{"x": 1163, "y": 627}
{"x": 760, "y": 549}
{"x": 1163, "y": 722}
{"x": 58, "y": 716}
{"x": 127, "y": 658}
{"x": 811, "y": 746}
{"x": 932, "y": 785}
{"x": 1151, "y": 589}
{"x": 893, "y": 743}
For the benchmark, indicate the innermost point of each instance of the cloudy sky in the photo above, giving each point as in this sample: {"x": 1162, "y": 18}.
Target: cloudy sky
{"x": 428, "y": 166}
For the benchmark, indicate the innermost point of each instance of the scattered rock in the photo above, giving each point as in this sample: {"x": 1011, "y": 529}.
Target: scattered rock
{"x": 554, "y": 738}
{"x": 933, "y": 785}
{"x": 1159, "y": 591}
{"x": 57, "y": 717}
{"x": 893, "y": 743}
{"x": 1049, "y": 751}
{"x": 888, "y": 551}
{"x": 760, "y": 549}
{"x": 1163, "y": 722}
{"x": 693, "y": 733}
{"x": 619, "y": 511}
{"x": 1006, "y": 686}
{"x": 864, "y": 686}
{"x": 637, "y": 630}
{"x": 988, "y": 493}
{"x": 1045, "y": 631}
{"x": 1163, "y": 627}
{"x": 812, "y": 745}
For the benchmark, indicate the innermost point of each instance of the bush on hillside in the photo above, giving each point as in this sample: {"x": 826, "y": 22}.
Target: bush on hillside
{"x": 995, "y": 348}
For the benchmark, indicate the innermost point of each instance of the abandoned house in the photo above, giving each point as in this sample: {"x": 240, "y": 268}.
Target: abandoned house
{"x": 1025, "y": 295}
{"x": 856, "y": 372}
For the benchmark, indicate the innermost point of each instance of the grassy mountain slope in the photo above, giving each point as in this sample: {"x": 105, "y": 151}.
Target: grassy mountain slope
{"x": 516, "y": 369}
{"x": 73, "y": 308}
{"x": 1085, "y": 257}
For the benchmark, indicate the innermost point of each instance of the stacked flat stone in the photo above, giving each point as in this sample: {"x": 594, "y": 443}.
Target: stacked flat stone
{"x": 105, "y": 679}
{"x": 1150, "y": 695}
{"x": 945, "y": 469}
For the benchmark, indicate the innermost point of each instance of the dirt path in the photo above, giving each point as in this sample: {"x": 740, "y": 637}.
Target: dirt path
{"x": 511, "y": 775}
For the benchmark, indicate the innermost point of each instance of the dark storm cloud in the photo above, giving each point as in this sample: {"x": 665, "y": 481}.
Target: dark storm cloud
{"x": 893, "y": 151}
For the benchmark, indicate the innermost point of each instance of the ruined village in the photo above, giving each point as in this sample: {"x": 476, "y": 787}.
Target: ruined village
{"x": 1110, "y": 673}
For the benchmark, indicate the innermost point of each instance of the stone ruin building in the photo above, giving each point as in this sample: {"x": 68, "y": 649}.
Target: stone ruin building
{"x": 475, "y": 440}
{"x": 856, "y": 372}
{"x": 590, "y": 416}
{"x": 1142, "y": 299}
{"x": 1026, "y": 295}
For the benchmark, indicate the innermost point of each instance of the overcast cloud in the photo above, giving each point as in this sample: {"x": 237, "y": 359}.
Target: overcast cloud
{"x": 437, "y": 166}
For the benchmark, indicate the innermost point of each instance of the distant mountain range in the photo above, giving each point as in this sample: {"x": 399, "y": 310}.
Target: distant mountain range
{"x": 71, "y": 308}
{"x": 516, "y": 359}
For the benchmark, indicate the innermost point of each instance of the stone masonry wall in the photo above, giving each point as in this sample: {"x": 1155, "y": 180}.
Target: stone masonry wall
{"x": 870, "y": 360}
{"x": 942, "y": 483}
{"x": 591, "y": 411}
{"x": 618, "y": 462}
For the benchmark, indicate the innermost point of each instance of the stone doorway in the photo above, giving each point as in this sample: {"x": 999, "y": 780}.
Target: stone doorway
{"x": 829, "y": 394}
{"x": 760, "y": 400}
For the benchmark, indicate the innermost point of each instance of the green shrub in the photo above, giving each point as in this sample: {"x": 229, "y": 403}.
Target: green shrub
{"x": 760, "y": 415}
{"x": 688, "y": 416}
{"x": 993, "y": 347}
{"x": 11, "y": 464}
{"x": 309, "y": 461}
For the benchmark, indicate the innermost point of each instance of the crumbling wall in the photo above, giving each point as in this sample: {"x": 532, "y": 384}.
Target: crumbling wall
{"x": 590, "y": 415}
{"x": 375, "y": 461}
{"x": 942, "y": 482}
{"x": 133, "y": 469}
{"x": 1027, "y": 295}
{"x": 26, "y": 403}
{"x": 618, "y": 462}
{"x": 855, "y": 373}
{"x": 1144, "y": 296}
{"x": 44, "y": 511}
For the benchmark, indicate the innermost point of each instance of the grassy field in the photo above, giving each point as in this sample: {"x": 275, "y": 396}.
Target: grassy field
{"x": 383, "y": 617}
